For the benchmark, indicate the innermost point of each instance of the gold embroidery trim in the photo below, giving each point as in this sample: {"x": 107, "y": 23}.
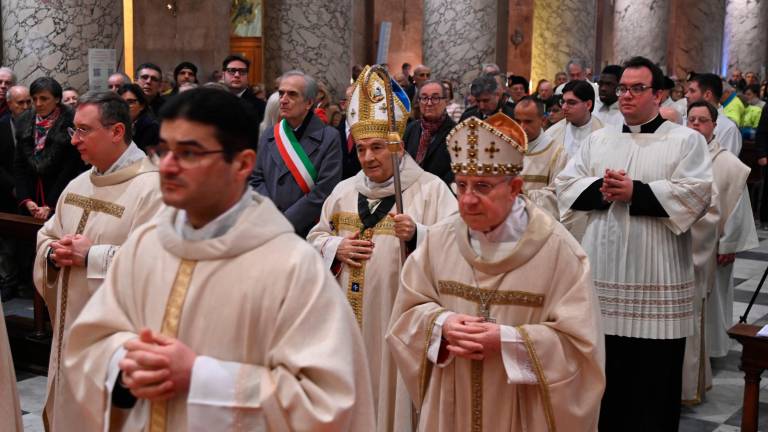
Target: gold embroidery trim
{"x": 170, "y": 327}
{"x": 476, "y": 372}
{"x": 467, "y": 292}
{"x": 543, "y": 385}
{"x": 535, "y": 178}
{"x": 426, "y": 366}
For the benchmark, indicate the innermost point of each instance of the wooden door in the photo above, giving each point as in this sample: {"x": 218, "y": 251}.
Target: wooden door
{"x": 250, "y": 48}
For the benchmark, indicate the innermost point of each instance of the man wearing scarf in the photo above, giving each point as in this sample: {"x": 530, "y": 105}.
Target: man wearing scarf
{"x": 425, "y": 139}
{"x": 360, "y": 236}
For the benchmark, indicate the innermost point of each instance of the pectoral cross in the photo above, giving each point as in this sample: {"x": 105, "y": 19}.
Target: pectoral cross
{"x": 485, "y": 313}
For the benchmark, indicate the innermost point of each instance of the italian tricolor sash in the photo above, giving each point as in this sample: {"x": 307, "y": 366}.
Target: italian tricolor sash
{"x": 294, "y": 156}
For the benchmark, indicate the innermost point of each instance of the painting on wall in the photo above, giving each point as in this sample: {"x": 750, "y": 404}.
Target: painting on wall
{"x": 245, "y": 18}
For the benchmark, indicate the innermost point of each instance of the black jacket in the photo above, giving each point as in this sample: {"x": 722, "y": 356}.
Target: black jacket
{"x": 258, "y": 105}
{"x": 350, "y": 164}
{"x": 7, "y": 182}
{"x": 146, "y": 130}
{"x": 761, "y": 139}
{"x": 507, "y": 107}
{"x": 42, "y": 176}
{"x": 437, "y": 159}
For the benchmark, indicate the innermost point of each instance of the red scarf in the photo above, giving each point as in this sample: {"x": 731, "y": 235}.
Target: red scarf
{"x": 42, "y": 126}
{"x": 428, "y": 128}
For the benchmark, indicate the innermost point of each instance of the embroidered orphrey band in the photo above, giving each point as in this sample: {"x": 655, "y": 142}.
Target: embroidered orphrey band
{"x": 468, "y": 292}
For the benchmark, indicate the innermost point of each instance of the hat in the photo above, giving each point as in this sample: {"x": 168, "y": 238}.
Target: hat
{"x": 368, "y": 113}
{"x": 494, "y": 147}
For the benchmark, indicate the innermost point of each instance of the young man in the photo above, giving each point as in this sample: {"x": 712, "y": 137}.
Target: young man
{"x": 94, "y": 216}
{"x": 216, "y": 316}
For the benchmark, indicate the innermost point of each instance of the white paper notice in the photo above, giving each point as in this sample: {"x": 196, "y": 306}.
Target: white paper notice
{"x": 101, "y": 64}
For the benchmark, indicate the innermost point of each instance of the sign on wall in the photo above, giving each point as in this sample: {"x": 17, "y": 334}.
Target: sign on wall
{"x": 101, "y": 64}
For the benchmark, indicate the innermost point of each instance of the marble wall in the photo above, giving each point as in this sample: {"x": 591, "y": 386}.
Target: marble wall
{"x": 459, "y": 36}
{"x": 312, "y": 35}
{"x": 746, "y": 36}
{"x": 702, "y": 52}
{"x": 52, "y": 37}
{"x": 641, "y": 29}
{"x": 561, "y": 30}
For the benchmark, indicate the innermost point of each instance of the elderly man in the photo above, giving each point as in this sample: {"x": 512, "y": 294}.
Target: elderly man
{"x": 300, "y": 161}
{"x": 236, "y": 69}
{"x": 149, "y": 77}
{"x": 425, "y": 138}
{"x": 7, "y": 80}
{"x": 643, "y": 187}
{"x": 359, "y": 214}
{"x": 497, "y": 305}
{"x": 190, "y": 330}
{"x": 609, "y": 113}
{"x": 95, "y": 214}
{"x": 577, "y": 71}
{"x": 117, "y": 80}
{"x": 542, "y": 152}
{"x": 709, "y": 87}
{"x": 489, "y": 97}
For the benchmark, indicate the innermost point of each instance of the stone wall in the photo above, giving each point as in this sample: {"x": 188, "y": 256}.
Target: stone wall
{"x": 702, "y": 52}
{"x": 459, "y": 36}
{"x": 641, "y": 29}
{"x": 746, "y": 36}
{"x": 561, "y": 30}
{"x": 312, "y": 35}
{"x": 52, "y": 37}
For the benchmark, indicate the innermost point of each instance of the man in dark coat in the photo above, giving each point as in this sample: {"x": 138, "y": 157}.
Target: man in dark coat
{"x": 425, "y": 139}
{"x": 490, "y": 99}
{"x": 300, "y": 166}
{"x": 235, "y": 69}
{"x": 350, "y": 164}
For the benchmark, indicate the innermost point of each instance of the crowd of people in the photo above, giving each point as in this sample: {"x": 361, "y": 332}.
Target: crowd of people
{"x": 408, "y": 257}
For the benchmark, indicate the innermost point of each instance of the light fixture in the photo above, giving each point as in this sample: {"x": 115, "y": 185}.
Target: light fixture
{"x": 170, "y": 6}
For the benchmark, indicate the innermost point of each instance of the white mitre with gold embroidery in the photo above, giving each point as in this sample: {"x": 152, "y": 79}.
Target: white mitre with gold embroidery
{"x": 494, "y": 147}
{"x": 368, "y": 114}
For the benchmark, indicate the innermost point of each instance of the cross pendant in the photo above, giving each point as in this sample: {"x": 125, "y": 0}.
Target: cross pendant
{"x": 485, "y": 312}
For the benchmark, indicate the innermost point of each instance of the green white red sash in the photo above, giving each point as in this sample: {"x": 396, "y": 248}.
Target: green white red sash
{"x": 295, "y": 157}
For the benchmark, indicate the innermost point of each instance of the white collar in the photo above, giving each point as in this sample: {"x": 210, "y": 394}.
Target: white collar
{"x": 637, "y": 128}
{"x": 215, "y": 228}
{"x": 131, "y": 154}
{"x": 510, "y": 231}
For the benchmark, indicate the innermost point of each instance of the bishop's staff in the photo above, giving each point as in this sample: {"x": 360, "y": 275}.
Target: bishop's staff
{"x": 393, "y": 139}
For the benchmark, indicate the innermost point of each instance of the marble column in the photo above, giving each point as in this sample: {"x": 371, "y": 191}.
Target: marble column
{"x": 696, "y": 35}
{"x": 459, "y": 36}
{"x": 746, "y": 37}
{"x": 562, "y": 30}
{"x": 641, "y": 29}
{"x": 313, "y": 36}
{"x": 52, "y": 38}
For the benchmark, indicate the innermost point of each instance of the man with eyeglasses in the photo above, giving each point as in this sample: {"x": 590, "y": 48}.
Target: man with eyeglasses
{"x": 215, "y": 315}
{"x": 361, "y": 235}
{"x": 489, "y": 98}
{"x": 643, "y": 187}
{"x": 709, "y": 87}
{"x": 609, "y": 112}
{"x": 425, "y": 138}
{"x": 235, "y": 68}
{"x": 300, "y": 159}
{"x": 94, "y": 216}
{"x": 717, "y": 237}
{"x": 496, "y": 305}
{"x": 149, "y": 77}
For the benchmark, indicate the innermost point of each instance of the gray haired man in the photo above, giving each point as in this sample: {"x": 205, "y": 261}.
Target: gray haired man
{"x": 490, "y": 99}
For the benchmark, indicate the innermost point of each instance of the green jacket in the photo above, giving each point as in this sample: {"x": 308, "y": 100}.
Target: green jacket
{"x": 734, "y": 109}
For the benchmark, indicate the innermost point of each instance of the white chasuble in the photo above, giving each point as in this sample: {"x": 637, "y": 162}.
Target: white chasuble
{"x": 371, "y": 289}
{"x": 553, "y": 311}
{"x": 10, "y": 409}
{"x": 643, "y": 265}
{"x": 278, "y": 347}
{"x": 105, "y": 209}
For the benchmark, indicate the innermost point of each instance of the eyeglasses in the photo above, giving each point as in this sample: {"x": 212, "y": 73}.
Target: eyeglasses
{"x": 430, "y": 99}
{"x": 83, "y": 133}
{"x": 480, "y": 188}
{"x": 148, "y": 77}
{"x": 185, "y": 158}
{"x": 635, "y": 90}
{"x": 424, "y": 74}
{"x": 233, "y": 71}
{"x": 699, "y": 119}
{"x": 569, "y": 102}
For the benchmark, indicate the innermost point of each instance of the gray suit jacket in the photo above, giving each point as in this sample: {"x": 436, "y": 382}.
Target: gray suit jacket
{"x": 272, "y": 178}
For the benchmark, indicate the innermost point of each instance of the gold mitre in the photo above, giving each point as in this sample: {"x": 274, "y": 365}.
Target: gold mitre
{"x": 494, "y": 147}
{"x": 368, "y": 112}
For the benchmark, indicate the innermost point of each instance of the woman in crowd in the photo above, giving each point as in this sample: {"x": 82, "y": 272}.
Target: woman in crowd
{"x": 45, "y": 160}
{"x": 453, "y": 109}
{"x": 146, "y": 129}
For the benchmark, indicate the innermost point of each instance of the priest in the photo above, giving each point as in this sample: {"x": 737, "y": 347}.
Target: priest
{"x": 496, "y": 325}
{"x": 360, "y": 213}
{"x": 95, "y": 214}
{"x": 643, "y": 187}
{"x": 10, "y": 409}
{"x": 215, "y": 315}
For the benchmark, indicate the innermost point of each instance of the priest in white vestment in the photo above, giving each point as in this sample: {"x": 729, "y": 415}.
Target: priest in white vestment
{"x": 216, "y": 316}
{"x": 496, "y": 326}
{"x": 361, "y": 213}
{"x": 542, "y": 152}
{"x": 643, "y": 187}
{"x": 709, "y": 87}
{"x": 94, "y": 216}
{"x": 609, "y": 112}
{"x": 10, "y": 409}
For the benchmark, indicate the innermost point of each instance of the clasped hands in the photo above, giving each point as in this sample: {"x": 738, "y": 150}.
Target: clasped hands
{"x": 469, "y": 337}
{"x": 617, "y": 186}
{"x": 38, "y": 212}
{"x": 156, "y": 367}
{"x": 70, "y": 250}
{"x": 353, "y": 251}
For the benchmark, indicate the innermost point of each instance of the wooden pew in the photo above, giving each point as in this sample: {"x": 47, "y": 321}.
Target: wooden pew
{"x": 754, "y": 359}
